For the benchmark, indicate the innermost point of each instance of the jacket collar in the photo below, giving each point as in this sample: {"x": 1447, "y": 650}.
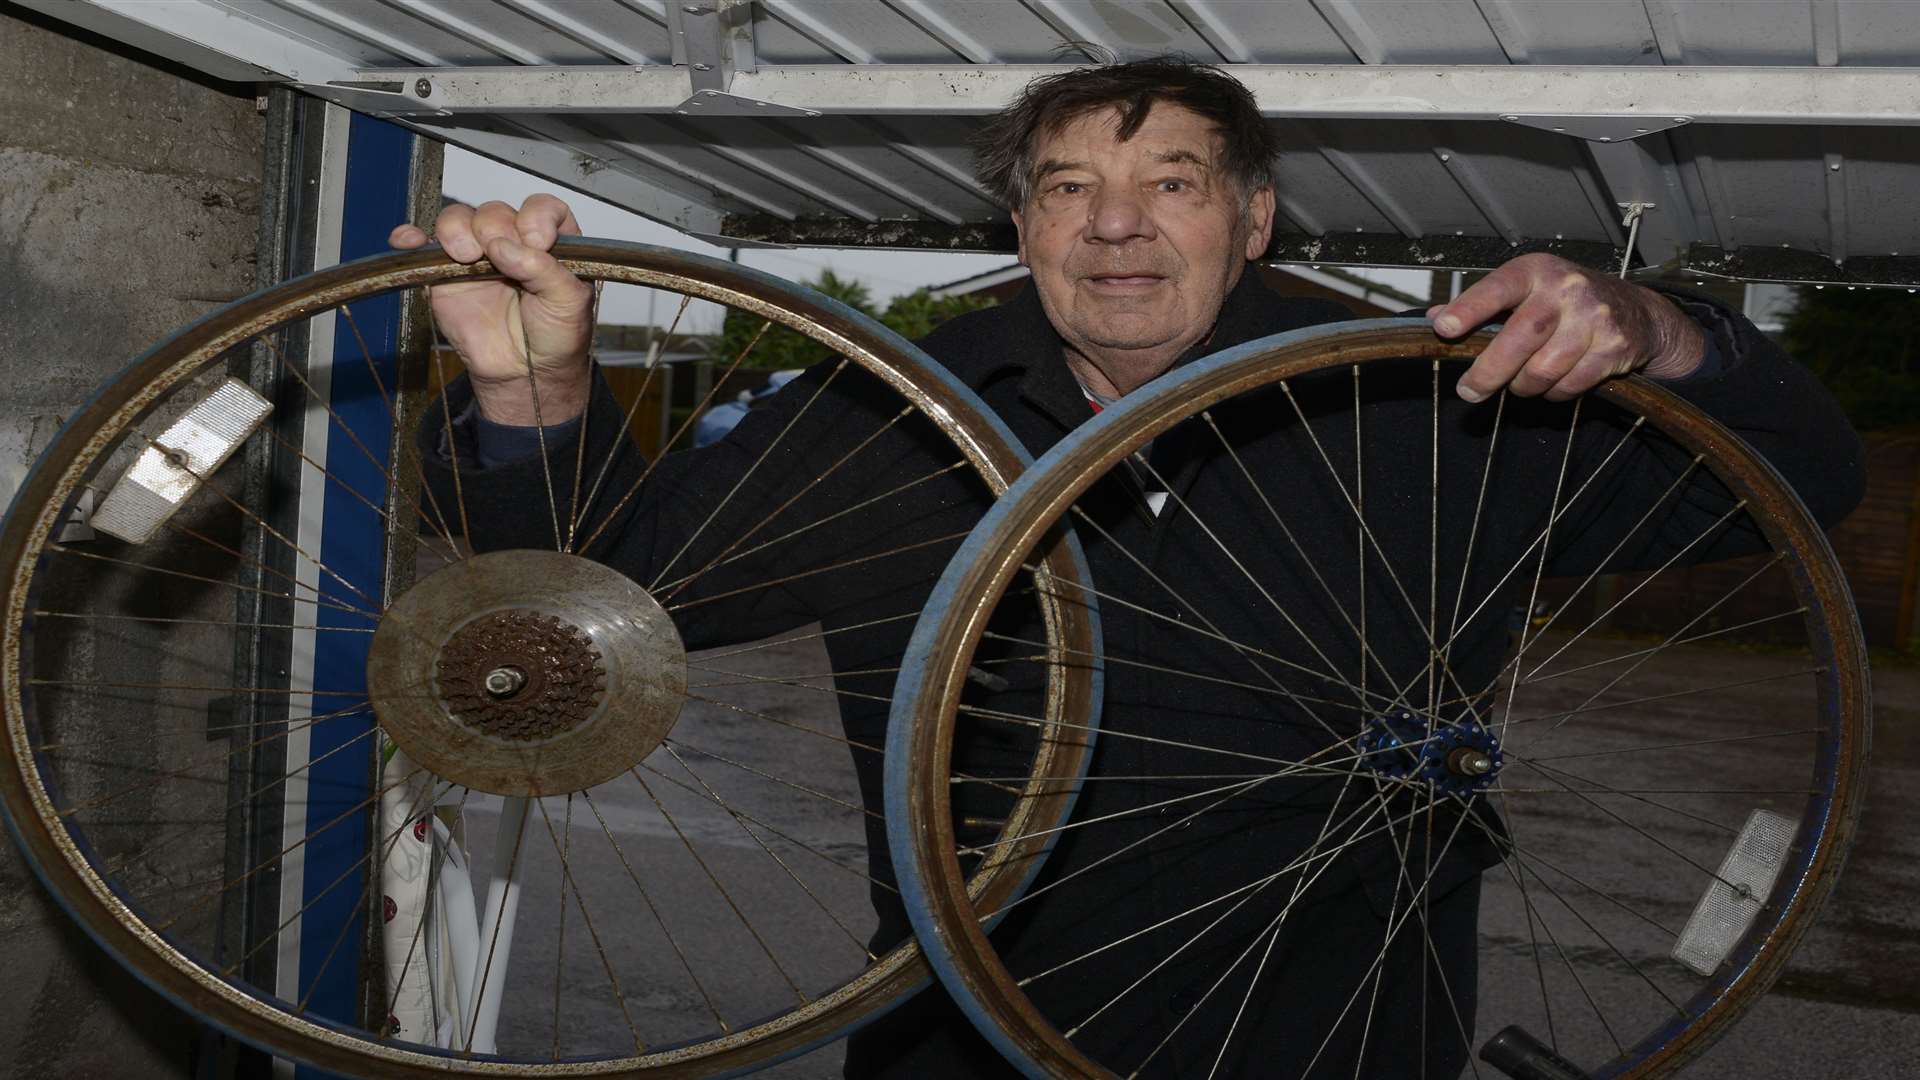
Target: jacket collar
{"x": 1036, "y": 349}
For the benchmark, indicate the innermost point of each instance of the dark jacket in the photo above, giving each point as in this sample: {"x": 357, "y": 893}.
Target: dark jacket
{"x": 1270, "y": 671}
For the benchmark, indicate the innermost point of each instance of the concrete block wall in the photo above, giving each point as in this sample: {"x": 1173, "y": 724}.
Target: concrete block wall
{"x": 129, "y": 195}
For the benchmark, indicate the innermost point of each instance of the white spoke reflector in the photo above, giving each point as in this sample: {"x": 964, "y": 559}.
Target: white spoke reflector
{"x": 1734, "y": 896}
{"x": 171, "y": 468}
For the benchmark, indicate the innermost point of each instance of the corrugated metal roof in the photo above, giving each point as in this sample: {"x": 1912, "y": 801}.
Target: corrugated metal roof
{"x": 1765, "y": 136}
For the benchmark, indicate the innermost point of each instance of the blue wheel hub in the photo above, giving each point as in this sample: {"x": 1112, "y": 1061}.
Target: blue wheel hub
{"x": 1458, "y": 758}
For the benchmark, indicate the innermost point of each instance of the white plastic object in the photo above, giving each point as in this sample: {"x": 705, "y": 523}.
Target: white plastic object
{"x": 172, "y": 467}
{"x": 1733, "y": 899}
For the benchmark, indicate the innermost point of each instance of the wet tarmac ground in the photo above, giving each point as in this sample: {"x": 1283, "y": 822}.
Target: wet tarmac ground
{"x": 731, "y": 941}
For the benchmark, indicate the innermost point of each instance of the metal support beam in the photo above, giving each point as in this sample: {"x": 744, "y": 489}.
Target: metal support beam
{"x": 583, "y": 170}
{"x": 1708, "y": 95}
{"x": 1642, "y": 172}
{"x": 712, "y": 40}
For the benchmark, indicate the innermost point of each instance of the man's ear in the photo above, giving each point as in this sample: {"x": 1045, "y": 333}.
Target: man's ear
{"x": 1259, "y": 221}
{"x": 1020, "y": 230}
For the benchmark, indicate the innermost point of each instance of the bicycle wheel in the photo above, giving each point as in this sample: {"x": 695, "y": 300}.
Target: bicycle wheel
{"x": 372, "y": 801}
{"x": 1430, "y": 728}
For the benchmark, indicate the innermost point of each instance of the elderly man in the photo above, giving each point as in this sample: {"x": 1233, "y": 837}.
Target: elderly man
{"x": 1140, "y": 193}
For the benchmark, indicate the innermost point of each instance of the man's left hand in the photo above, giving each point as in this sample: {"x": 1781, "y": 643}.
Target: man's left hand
{"x": 1568, "y": 329}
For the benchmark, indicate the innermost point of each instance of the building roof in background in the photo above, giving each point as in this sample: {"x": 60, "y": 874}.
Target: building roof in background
{"x": 1757, "y": 139}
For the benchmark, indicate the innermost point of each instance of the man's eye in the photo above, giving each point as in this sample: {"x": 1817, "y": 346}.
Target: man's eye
{"x": 1171, "y": 186}
{"x": 1070, "y": 188}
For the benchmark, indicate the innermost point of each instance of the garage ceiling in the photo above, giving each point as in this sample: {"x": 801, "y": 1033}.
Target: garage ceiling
{"x": 1764, "y": 139}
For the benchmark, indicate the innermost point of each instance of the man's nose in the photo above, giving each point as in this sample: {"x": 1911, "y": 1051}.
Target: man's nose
{"x": 1119, "y": 215}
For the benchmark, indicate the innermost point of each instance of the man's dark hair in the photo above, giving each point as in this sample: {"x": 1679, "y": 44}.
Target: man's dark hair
{"x": 1004, "y": 148}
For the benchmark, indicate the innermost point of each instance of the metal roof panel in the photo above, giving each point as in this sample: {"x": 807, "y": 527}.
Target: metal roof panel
{"x": 1416, "y": 131}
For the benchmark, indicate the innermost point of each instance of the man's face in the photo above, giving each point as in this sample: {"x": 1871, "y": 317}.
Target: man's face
{"x": 1134, "y": 245}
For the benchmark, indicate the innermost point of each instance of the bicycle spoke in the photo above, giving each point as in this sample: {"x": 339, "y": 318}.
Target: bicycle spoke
{"x": 508, "y": 894}
{"x": 1393, "y": 931}
{"x": 1598, "y": 934}
{"x": 1243, "y": 648}
{"x": 667, "y": 590}
{"x": 1540, "y": 567}
{"x": 801, "y": 844}
{"x": 1479, "y": 516}
{"x": 1535, "y": 759}
{"x": 1112, "y": 660}
{"x": 220, "y": 758}
{"x": 1562, "y": 776}
{"x": 441, "y": 531}
{"x": 778, "y": 861}
{"x": 344, "y": 815}
{"x": 685, "y": 426}
{"x": 1533, "y": 913}
{"x": 393, "y": 420}
{"x": 817, "y": 635}
{"x": 540, "y": 436}
{"x": 373, "y": 881}
{"x": 1273, "y": 603}
{"x": 580, "y": 901}
{"x": 950, "y": 538}
{"x": 1207, "y": 626}
{"x": 674, "y": 745}
{"x": 714, "y": 880}
{"x": 784, "y": 722}
{"x": 560, "y": 946}
{"x": 1607, "y": 560}
{"x": 314, "y": 600}
{"x": 614, "y": 447}
{"x": 373, "y": 606}
{"x": 654, "y": 910}
{"x": 1663, "y": 646}
{"x": 446, "y": 432}
{"x": 586, "y": 417}
{"x": 1250, "y": 890}
{"x": 351, "y": 869}
{"x": 148, "y": 851}
{"x": 40, "y": 613}
{"x": 1540, "y": 540}
{"x": 1584, "y": 710}
{"x": 1434, "y": 647}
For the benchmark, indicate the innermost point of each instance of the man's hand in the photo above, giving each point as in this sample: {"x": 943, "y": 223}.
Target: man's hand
{"x": 1568, "y": 329}
{"x": 540, "y": 311}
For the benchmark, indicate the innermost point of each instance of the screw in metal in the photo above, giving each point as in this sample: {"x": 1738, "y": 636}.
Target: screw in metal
{"x": 423, "y": 87}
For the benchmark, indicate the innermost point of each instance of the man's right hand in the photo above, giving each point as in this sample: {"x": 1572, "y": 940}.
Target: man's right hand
{"x": 539, "y": 317}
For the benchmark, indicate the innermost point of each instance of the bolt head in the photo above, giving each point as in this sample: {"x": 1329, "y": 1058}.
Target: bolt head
{"x": 504, "y": 681}
{"x": 423, "y": 87}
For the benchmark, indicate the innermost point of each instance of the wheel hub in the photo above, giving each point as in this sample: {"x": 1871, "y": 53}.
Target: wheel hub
{"x": 527, "y": 673}
{"x": 520, "y": 675}
{"x": 1458, "y": 757}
